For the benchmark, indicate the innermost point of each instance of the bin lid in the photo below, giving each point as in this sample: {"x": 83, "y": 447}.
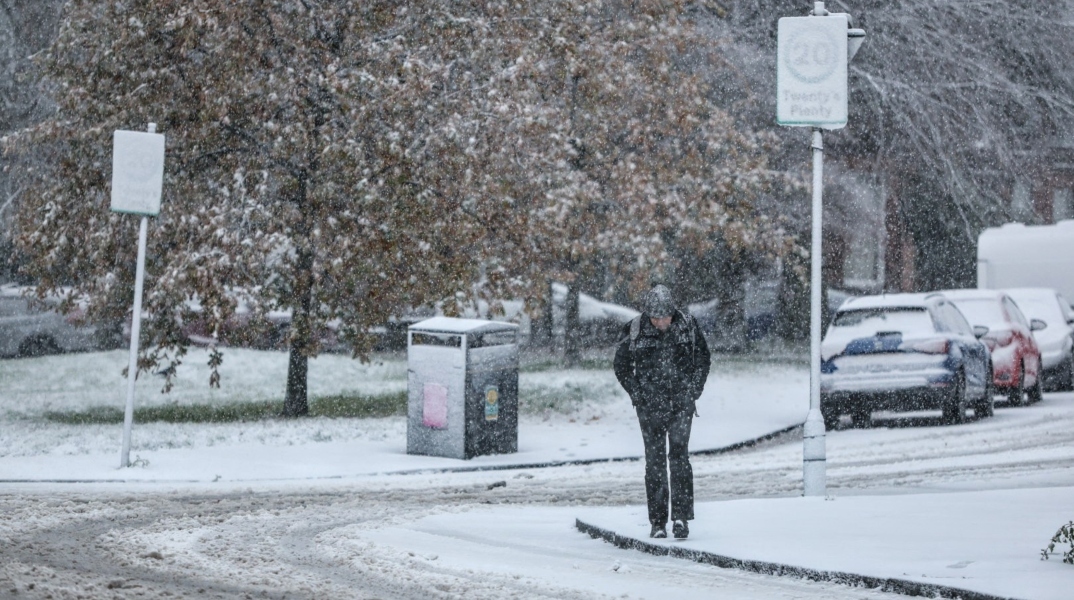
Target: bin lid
{"x": 453, "y": 325}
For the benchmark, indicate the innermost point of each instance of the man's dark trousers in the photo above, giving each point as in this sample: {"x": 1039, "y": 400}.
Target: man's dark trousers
{"x": 667, "y": 439}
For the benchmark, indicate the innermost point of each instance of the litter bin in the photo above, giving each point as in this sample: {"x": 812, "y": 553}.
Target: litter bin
{"x": 462, "y": 387}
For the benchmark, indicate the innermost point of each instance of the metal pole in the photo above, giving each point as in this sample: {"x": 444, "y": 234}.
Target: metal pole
{"x": 136, "y": 326}
{"x": 814, "y": 456}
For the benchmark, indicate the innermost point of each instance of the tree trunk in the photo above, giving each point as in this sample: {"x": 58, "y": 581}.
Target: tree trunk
{"x": 730, "y": 334}
{"x": 572, "y": 333}
{"x": 296, "y": 399}
{"x": 542, "y": 329}
{"x": 793, "y": 311}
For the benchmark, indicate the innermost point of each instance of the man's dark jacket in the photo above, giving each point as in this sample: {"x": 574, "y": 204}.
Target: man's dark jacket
{"x": 663, "y": 371}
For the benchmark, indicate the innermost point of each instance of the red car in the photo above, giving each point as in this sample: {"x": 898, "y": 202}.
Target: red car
{"x": 1016, "y": 362}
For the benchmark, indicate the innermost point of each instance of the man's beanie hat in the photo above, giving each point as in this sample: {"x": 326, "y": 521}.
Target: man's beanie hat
{"x": 658, "y": 302}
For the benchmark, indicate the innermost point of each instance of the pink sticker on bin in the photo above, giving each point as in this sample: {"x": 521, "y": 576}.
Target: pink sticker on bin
{"x": 434, "y": 406}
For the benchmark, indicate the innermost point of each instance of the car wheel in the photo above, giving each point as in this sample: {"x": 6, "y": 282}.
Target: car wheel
{"x": 108, "y": 337}
{"x": 1066, "y": 377}
{"x": 954, "y": 412}
{"x": 986, "y": 406}
{"x": 38, "y": 345}
{"x": 1017, "y": 395}
{"x": 1036, "y": 393}
{"x": 831, "y": 418}
{"x": 862, "y": 417}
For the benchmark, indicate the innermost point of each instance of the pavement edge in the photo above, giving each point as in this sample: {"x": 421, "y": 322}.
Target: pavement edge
{"x": 898, "y": 586}
{"x": 592, "y": 461}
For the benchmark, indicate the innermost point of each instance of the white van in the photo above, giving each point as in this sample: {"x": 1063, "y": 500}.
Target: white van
{"x": 1017, "y": 256}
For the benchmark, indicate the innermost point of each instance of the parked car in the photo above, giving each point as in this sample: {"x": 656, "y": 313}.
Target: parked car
{"x": 29, "y": 327}
{"x": 601, "y": 322}
{"x": 903, "y": 352}
{"x": 732, "y": 327}
{"x": 248, "y": 329}
{"x": 1056, "y": 341}
{"x": 1016, "y": 360}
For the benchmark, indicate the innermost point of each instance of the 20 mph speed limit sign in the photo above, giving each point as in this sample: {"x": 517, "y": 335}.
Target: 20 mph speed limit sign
{"x": 811, "y": 72}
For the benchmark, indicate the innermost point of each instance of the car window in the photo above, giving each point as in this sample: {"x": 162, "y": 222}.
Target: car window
{"x": 1064, "y": 306}
{"x": 939, "y": 320}
{"x": 985, "y": 312}
{"x": 1015, "y": 313}
{"x": 959, "y": 322}
{"x": 949, "y": 320}
{"x": 869, "y": 321}
{"x": 1046, "y": 309}
{"x": 13, "y": 307}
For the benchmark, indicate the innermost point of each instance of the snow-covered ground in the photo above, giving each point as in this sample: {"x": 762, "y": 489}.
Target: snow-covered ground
{"x": 969, "y": 506}
{"x": 589, "y": 417}
{"x": 80, "y": 381}
{"x": 964, "y": 540}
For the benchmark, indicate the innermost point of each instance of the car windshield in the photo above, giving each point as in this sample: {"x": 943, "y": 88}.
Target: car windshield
{"x": 869, "y": 321}
{"x": 981, "y": 312}
{"x": 13, "y": 307}
{"x": 1046, "y": 310}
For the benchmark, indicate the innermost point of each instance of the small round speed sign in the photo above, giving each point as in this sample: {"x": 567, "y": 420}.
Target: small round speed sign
{"x": 811, "y": 56}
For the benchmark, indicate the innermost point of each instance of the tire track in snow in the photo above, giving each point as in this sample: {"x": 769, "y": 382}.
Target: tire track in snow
{"x": 298, "y": 543}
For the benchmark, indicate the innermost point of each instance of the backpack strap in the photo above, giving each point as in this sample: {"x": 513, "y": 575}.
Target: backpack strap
{"x": 688, "y": 320}
{"x": 635, "y": 331}
{"x": 691, "y": 323}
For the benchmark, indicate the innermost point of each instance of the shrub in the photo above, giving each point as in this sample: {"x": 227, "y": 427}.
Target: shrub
{"x": 1064, "y": 535}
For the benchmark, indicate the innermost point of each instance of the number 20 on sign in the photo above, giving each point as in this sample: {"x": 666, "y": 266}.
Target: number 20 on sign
{"x": 811, "y": 72}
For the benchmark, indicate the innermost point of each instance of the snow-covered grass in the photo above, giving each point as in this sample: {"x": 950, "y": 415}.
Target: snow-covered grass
{"x": 69, "y": 404}
{"x": 90, "y": 387}
{"x": 339, "y": 406}
{"x": 79, "y": 382}
{"x": 566, "y": 414}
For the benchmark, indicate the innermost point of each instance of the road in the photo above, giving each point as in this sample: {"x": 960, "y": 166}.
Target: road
{"x": 331, "y": 539}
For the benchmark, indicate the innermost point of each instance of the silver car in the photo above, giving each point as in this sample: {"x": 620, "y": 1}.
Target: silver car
{"x": 30, "y": 329}
{"x": 903, "y": 352}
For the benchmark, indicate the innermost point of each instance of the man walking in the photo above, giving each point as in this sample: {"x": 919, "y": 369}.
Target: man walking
{"x": 662, "y": 362}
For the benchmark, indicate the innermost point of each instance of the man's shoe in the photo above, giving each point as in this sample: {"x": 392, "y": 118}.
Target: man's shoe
{"x": 659, "y": 531}
{"x": 679, "y": 529}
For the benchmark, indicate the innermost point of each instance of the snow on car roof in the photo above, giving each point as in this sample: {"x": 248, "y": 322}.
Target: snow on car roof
{"x": 1041, "y": 293}
{"x": 887, "y": 301}
{"x": 10, "y": 290}
{"x": 973, "y": 294}
{"x": 589, "y": 308}
{"x": 28, "y": 292}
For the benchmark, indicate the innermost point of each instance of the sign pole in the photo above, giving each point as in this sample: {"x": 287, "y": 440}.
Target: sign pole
{"x": 812, "y": 58}
{"x": 136, "y": 326}
{"x": 814, "y": 458}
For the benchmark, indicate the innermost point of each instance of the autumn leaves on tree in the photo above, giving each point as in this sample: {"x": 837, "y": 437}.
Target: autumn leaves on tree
{"x": 348, "y": 160}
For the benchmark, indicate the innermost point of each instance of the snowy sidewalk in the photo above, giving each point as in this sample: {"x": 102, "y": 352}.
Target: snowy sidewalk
{"x": 988, "y": 542}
